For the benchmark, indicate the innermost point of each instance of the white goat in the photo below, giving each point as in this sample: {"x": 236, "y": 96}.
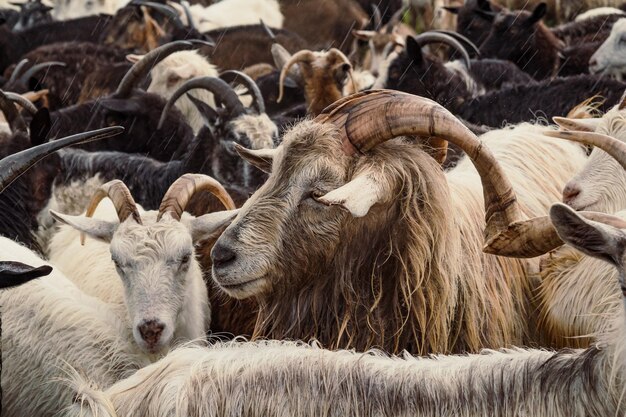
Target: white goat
{"x": 235, "y": 13}
{"x": 73, "y": 9}
{"x": 598, "y": 11}
{"x": 148, "y": 272}
{"x": 286, "y": 378}
{"x": 610, "y": 58}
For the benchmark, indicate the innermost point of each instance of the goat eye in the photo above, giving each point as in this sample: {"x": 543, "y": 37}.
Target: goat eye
{"x": 622, "y": 41}
{"x": 184, "y": 260}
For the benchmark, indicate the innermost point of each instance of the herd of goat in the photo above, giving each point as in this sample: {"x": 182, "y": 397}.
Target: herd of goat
{"x": 306, "y": 208}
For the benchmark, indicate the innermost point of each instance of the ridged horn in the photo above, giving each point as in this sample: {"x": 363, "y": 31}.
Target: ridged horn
{"x": 12, "y": 115}
{"x": 142, "y": 67}
{"x": 610, "y": 145}
{"x": 181, "y": 191}
{"x": 22, "y": 101}
{"x": 123, "y": 201}
{"x": 431, "y": 37}
{"x": 12, "y": 166}
{"x": 369, "y": 118}
{"x": 300, "y": 56}
{"x": 36, "y": 68}
{"x": 257, "y": 98}
{"x": 17, "y": 70}
{"x": 223, "y": 93}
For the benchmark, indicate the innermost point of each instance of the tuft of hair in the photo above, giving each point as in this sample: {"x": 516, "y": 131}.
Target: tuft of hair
{"x": 588, "y": 109}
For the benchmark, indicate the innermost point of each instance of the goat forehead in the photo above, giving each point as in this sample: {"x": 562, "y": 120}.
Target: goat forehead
{"x": 167, "y": 238}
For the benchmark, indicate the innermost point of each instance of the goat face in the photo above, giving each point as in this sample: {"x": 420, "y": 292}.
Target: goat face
{"x": 610, "y": 58}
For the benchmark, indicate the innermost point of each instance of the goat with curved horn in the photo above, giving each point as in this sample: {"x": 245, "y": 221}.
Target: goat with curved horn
{"x": 22, "y": 101}
{"x": 222, "y": 92}
{"x": 456, "y": 35}
{"x": 184, "y": 188}
{"x": 610, "y": 145}
{"x": 38, "y": 67}
{"x": 18, "y": 70}
{"x": 12, "y": 115}
{"x": 431, "y": 37}
{"x": 231, "y": 76}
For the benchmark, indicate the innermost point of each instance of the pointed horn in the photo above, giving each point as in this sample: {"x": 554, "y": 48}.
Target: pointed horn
{"x": 377, "y": 17}
{"x": 300, "y": 56}
{"x": 257, "y": 98}
{"x": 465, "y": 41}
{"x": 15, "y": 165}
{"x": 610, "y": 145}
{"x": 142, "y": 67}
{"x": 580, "y": 125}
{"x": 17, "y": 273}
{"x": 123, "y": 201}
{"x": 18, "y": 70}
{"x": 185, "y": 5}
{"x": 369, "y": 118}
{"x": 22, "y": 101}
{"x": 36, "y": 68}
{"x": 223, "y": 93}
{"x": 269, "y": 31}
{"x": 180, "y": 193}
{"x": 13, "y": 117}
{"x": 429, "y": 37}
{"x": 395, "y": 19}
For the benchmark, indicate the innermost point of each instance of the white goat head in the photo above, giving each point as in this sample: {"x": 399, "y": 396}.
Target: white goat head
{"x": 154, "y": 256}
{"x": 610, "y": 58}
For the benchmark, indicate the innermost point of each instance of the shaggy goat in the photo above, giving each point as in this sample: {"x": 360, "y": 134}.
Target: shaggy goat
{"x": 148, "y": 272}
{"x": 287, "y": 378}
{"x": 610, "y": 58}
{"x": 381, "y": 272}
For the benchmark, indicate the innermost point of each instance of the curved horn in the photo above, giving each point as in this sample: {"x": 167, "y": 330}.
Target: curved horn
{"x": 22, "y": 101}
{"x": 181, "y": 191}
{"x": 15, "y": 165}
{"x": 17, "y": 70}
{"x": 300, "y": 56}
{"x": 369, "y": 118}
{"x": 142, "y": 67}
{"x": 13, "y": 117}
{"x": 377, "y": 17}
{"x": 123, "y": 201}
{"x": 185, "y": 5}
{"x": 222, "y": 92}
{"x": 428, "y": 37}
{"x": 36, "y": 68}
{"x": 395, "y": 19}
{"x": 465, "y": 41}
{"x": 164, "y": 9}
{"x": 257, "y": 98}
{"x": 610, "y": 145}
{"x": 338, "y": 55}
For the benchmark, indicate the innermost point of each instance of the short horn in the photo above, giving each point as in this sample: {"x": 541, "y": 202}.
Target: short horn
{"x": 269, "y": 31}
{"x": 123, "y": 201}
{"x": 12, "y": 115}
{"x": 300, "y": 56}
{"x": 180, "y": 192}
{"x": 610, "y": 145}
{"x": 257, "y": 98}
{"x": 223, "y": 93}
{"x": 22, "y": 101}
{"x": 17, "y": 70}
{"x": 12, "y": 166}
{"x": 36, "y": 68}
{"x": 431, "y": 37}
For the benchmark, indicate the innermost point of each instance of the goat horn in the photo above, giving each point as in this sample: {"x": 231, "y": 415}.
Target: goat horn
{"x": 17, "y": 70}
{"x": 223, "y": 93}
{"x": 142, "y": 67}
{"x": 22, "y": 101}
{"x": 13, "y": 117}
{"x": 300, "y": 56}
{"x": 164, "y": 9}
{"x": 17, "y": 273}
{"x": 395, "y": 19}
{"x": 378, "y": 19}
{"x": 36, "y": 68}
{"x": 15, "y": 165}
{"x": 123, "y": 201}
{"x": 257, "y": 98}
{"x": 610, "y": 145}
{"x": 185, "y": 5}
{"x": 430, "y": 37}
{"x": 269, "y": 31}
{"x": 456, "y": 35}
{"x": 180, "y": 193}
{"x": 337, "y": 54}
{"x": 369, "y": 118}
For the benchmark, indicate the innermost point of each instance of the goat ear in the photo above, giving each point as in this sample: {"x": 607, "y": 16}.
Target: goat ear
{"x": 210, "y": 226}
{"x": 357, "y": 196}
{"x": 133, "y": 58}
{"x": 208, "y": 113}
{"x": 39, "y": 127}
{"x": 593, "y": 238}
{"x": 413, "y": 49}
{"x": 260, "y": 158}
{"x": 17, "y": 273}
{"x": 98, "y": 229}
{"x": 538, "y": 13}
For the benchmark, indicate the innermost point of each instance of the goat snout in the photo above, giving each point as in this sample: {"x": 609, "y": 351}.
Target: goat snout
{"x": 223, "y": 254}
{"x": 570, "y": 192}
{"x": 151, "y": 331}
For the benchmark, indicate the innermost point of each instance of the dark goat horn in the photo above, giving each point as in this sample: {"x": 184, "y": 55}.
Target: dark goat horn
{"x": 18, "y": 69}
{"x": 185, "y": 5}
{"x": 269, "y": 31}
{"x": 367, "y": 119}
{"x": 17, "y": 273}
{"x": 164, "y": 9}
{"x": 36, "y": 68}
{"x": 13, "y": 117}
{"x": 142, "y": 67}
{"x": 610, "y": 145}
{"x": 22, "y": 101}
{"x": 223, "y": 93}
{"x": 465, "y": 41}
{"x": 395, "y": 19}
{"x": 15, "y": 165}
{"x": 430, "y": 37}
{"x": 231, "y": 76}
{"x": 181, "y": 191}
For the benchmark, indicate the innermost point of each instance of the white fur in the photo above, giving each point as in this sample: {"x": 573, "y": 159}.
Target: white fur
{"x": 169, "y": 74}
{"x": 610, "y": 58}
{"x": 237, "y": 12}
{"x": 73, "y": 9}
{"x": 598, "y": 11}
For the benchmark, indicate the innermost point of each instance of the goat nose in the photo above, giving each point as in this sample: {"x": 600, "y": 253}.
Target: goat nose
{"x": 222, "y": 254}
{"x": 150, "y": 331}
{"x": 570, "y": 192}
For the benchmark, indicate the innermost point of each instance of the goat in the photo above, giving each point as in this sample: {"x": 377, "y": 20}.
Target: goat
{"x": 236, "y": 13}
{"x": 391, "y": 201}
{"x": 304, "y": 380}
{"x": 610, "y": 58}
{"x": 67, "y": 10}
{"x": 30, "y": 13}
